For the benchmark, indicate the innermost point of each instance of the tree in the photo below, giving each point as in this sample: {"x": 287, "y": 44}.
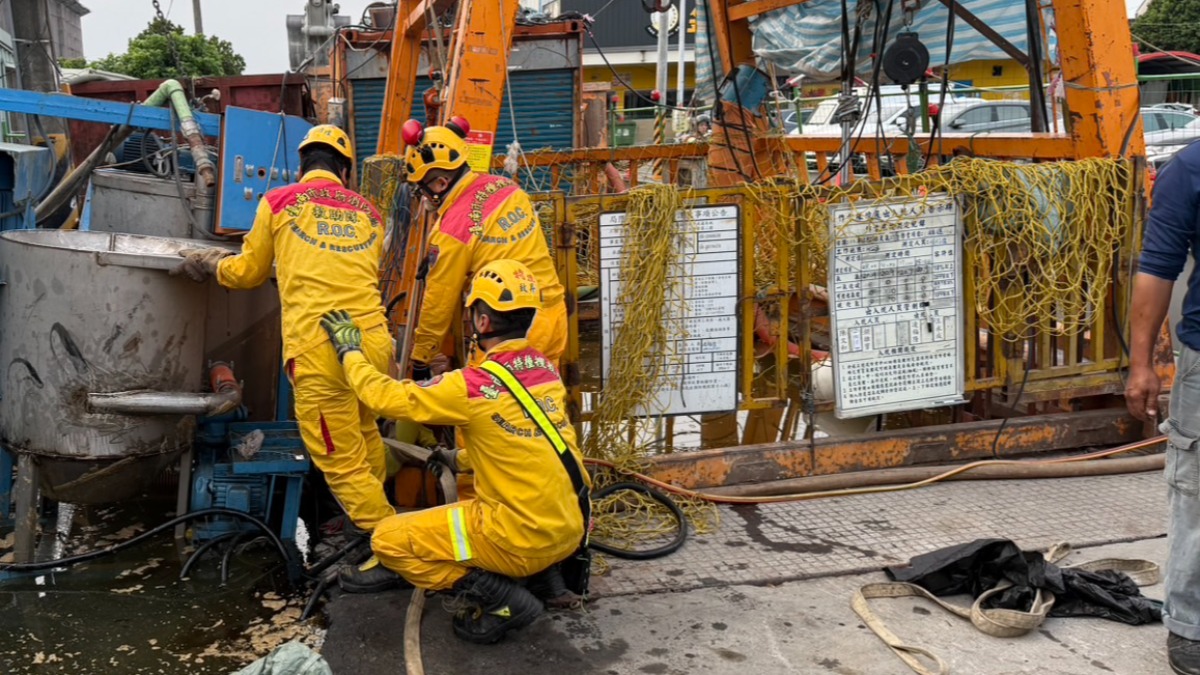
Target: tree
{"x": 72, "y": 63}
{"x": 150, "y": 56}
{"x": 1173, "y": 25}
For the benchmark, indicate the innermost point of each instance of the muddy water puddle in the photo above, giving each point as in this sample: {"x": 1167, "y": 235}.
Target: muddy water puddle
{"x": 131, "y": 613}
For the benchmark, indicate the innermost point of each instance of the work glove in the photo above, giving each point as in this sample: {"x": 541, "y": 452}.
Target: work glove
{"x": 442, "y": 458}
{"x": 345, "y": 336}
{"x": 420, "y": 371}
{"x": 200, "y": 263}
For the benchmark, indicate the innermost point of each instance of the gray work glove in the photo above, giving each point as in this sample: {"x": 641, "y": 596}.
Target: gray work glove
{"x": 442, "y": 458}
{"x": 200, "y": 263}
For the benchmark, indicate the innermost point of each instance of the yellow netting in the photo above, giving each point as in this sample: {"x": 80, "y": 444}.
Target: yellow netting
{"x": 1041, "y": 238}
{"x": 639, "y": 356}
{"x": 381, "y": 178}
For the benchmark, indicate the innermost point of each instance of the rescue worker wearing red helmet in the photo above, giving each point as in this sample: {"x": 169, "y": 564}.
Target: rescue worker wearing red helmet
{"x": 480, "y": 219}
{"x": 326, "y": 245}
{"x": 510, "y": 409}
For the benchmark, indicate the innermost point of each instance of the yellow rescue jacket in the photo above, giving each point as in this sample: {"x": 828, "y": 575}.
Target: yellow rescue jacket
{"x": 483, "y": 218}
{"x": 525, "y": 495}
{"x": 327, "y": 243}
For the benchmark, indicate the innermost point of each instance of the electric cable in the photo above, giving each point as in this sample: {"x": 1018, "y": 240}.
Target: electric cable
{"x": 1017, "y": 400}
{"x": 936, "y": 128}
{"x": 648, "y": 554}
{"x": 201, "y": 550}
{"x": 133, "y": 541}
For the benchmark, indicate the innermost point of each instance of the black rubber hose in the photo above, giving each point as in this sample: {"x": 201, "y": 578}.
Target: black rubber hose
{"x": 657, "y": 496}
{"x": 316, "y": 595}
{"x": 203, "y": 513}
{"x": 229, "y": 554}
{"x": 330, "y": 559}
{"x": 201, "y": 550}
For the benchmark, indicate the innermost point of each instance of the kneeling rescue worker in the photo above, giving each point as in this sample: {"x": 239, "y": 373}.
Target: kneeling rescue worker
{"x": 326, "y": 243}
{"x": 511, "y": 411}
{"x": 480, "y": 219}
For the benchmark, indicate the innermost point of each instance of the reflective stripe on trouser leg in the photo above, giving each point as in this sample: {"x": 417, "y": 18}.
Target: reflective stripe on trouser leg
{"x": 418, "y": 546}
{"x": 458, "y": 534}
{"x": 332, "y": 425}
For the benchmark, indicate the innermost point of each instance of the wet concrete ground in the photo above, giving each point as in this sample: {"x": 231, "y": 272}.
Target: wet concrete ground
{"x": 131, "y": 613}
{"x": 768, "y": 592}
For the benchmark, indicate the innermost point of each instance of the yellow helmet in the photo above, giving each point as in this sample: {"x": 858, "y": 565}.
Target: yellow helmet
{"x": 505, "y": 285}
{"x": 331, "y": 135}
{"x": 434, "y": 148}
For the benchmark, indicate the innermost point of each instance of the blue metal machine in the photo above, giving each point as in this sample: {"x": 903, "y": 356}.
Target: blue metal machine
{"x": 26, "y": 175}
{"x": 267, "y": 485}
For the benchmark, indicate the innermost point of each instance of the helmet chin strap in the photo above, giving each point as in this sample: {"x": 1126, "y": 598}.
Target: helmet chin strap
{"x": 436, "y": 197}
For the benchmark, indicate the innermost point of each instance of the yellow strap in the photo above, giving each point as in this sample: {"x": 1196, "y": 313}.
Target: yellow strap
{"x": 530, "y": 406}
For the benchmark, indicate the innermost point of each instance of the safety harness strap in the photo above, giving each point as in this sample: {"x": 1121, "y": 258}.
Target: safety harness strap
{"x": 539, "y": 417}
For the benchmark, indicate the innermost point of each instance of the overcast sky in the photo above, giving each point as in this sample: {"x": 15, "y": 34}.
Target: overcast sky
{"x": 257, "y": 28}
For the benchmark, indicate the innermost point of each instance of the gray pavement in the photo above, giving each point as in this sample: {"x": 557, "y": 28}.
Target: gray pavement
{"x": 769, "y": 592}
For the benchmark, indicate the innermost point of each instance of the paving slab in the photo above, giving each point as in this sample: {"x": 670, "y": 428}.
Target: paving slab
{"x": 770, "y": 593}
{"x": 781, "y": 542}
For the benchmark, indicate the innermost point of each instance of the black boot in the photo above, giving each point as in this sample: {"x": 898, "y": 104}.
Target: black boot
{"x": 494, "y": 605}
{"x": 549, "y": 587}
{"x": 369, "y": 577}
{"x": 1183, "y": 654}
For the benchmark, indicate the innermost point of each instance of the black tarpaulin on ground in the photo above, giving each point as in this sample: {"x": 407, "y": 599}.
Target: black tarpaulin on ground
{"x": 978, "y": 566}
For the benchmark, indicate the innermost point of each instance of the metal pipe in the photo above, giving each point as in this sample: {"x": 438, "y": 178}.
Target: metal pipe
{"x": 171, "y": 91}
{"x": 895, "y": 476}
{"x": 163, "y": 402}
{"x": 226, "y": 395}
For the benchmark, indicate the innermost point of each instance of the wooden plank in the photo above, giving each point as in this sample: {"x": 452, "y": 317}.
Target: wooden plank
{"x": 907, "y": 447}
{"x": 602, "y": 156}
{"x": 746, "y": 10}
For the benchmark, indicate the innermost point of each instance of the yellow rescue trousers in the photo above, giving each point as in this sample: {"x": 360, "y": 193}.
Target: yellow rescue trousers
{"x": 339, "y": 432}
{"x": 436, "y": 547}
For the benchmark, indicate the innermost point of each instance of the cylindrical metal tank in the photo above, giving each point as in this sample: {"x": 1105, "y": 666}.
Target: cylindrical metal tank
{"x": 92, "y": 313}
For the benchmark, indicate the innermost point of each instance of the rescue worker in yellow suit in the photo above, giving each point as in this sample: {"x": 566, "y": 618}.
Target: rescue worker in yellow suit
{"x": 527, "y": 516}
{"x": 326, "y": 244}
{"x": 480, "y": 219}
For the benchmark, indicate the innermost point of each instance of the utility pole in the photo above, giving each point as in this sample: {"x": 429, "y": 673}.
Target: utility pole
{"x": 680, "y": 82}
{"x": 198, "y": 20}
{"x": 36, "y": 70}
{"x": 32, "y": 34}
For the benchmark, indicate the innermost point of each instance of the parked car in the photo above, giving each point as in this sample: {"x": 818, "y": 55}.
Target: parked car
{"x": 793, "y": 120}
{"x": 893, "y": 102}
{"x": 1156, "y": 118}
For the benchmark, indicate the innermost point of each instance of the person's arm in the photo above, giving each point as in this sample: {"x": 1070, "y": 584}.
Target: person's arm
{"x": 442, "y": 401}
{"x": 253, "y": 265}
{"x": 1170, "y": 229}
{"x": 1151, "y": 298}
{"x": 444, "y": 283}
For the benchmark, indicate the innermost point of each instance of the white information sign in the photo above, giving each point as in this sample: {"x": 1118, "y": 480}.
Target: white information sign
{"x": 701, "y": 375}
{"x": 895, "y": 305}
